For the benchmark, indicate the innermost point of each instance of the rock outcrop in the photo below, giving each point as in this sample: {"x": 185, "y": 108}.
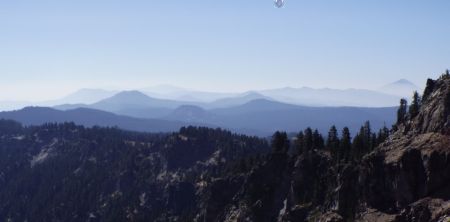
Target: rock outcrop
{"x": 409, "y": 174}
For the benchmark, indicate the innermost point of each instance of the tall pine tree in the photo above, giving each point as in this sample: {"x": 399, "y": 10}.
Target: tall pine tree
{"x": 318, "y": 141}
{"x": 300, "y": 143}
{"x": 280, "y": 142}
{"x": 383, "y": 134}
{"x": 345, "y": 145}
{"x": 308, "y": 141}
{"x": 415, "y": 105}
{"x": 333, "y": 143}
{"x": 401, "y": 112}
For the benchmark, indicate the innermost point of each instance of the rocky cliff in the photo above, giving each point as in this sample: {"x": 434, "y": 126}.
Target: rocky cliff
{"x": 409, "y": 174}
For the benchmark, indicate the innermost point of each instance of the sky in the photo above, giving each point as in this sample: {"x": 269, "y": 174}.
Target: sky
{"x": 50, "y": 48}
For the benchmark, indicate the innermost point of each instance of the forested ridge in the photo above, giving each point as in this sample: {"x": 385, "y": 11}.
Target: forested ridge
{"x": 65, "y": 172}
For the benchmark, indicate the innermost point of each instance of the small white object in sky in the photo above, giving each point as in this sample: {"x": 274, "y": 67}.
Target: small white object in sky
{"x": 279, "y": 3}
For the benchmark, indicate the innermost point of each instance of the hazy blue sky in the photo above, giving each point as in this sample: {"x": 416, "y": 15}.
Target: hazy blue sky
{"x": 48, "y": 48}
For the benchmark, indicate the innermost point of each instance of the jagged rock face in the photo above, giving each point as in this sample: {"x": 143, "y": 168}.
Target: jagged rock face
{"x": 404, "y": 171}
{"x": 435, "y": 110}
{"x": 414, "y": 163}
{"x": 263, "y": 193}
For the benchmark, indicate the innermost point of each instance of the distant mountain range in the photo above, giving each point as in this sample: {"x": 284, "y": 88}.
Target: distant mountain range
{"x": 177, "y": 93}
{"x": 332, "y": 97}
{"x": 82, "y": 96}
{"x": 138, "y": 104}
{"x": 253, "y": 112}
{"x": 269, "y": 116}
{"x": 172, "y": 97}
{"x": 258, "y": 117}
{"x": 131, "y": 103}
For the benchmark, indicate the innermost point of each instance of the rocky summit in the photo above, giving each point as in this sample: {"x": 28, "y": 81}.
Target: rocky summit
{"x": 64, "y": 172}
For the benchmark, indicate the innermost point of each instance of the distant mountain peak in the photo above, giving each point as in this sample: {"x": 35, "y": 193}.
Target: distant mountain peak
{"x": 189, "y": 113}
{"x": 403, "y": 82}
{"x": 253, "y": 94}
{"x": 81, "y": 96}
{"x": 401, "y": 87}
{"x": 131, "y": 94}
{"x": 260, "y": 101}
{"x": 133, "y": 100}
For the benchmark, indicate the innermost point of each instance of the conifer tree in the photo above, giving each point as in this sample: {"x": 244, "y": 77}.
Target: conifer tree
{"x": 333, "y": 143}
{"x": 364, "y": 141}
{"x": 415, "y": 105}
{"x": 280, "y": 142}
{"x": 345, "y": 145}
{"x": 383, "y": 134}
{"x": 318, "y": 141}
{"x": 401, "y": 112}
{"x": 358, "y": 145}
{"x": 368, "y": 143}
{"x": 300, "y": 143}
{"x": 308, "y": 140}
{"x": 428, "y": 89}
{"x": 373, "y": 141}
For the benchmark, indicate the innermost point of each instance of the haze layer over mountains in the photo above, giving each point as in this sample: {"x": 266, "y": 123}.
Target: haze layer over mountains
{"x": 167, "y": 108}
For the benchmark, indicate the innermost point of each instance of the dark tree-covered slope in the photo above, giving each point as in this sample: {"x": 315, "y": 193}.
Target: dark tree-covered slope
{"x": 70, "y": 173}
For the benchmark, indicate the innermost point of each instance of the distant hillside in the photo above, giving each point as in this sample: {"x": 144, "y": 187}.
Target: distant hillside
{"x": 300, "y": 96}
{"x": 131, "y": 99}
{"x": 270, "y": 116}
{"x": 236, "y": 100}
{"x": 131, "y": 103}
{"x": 177, "y": 93}
{"x": 256, "y": 117}
{"x": 332, "y": 97}
{"x": 138, "y": 104}
{"x": 250, "y": 113}
{"x": 90, "y": 117}
{"x": 191, "y": 114}
{"x": 257, "y": 105}
{"x": 262, "y": 117}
